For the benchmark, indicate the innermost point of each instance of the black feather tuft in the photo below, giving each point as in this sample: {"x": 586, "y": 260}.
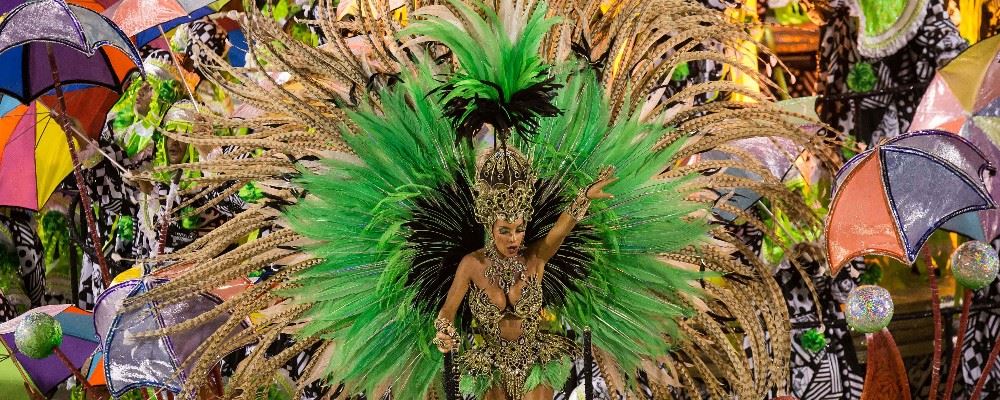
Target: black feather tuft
{"x": 519, "y": 115}
{"x": 584, "y": 50}
{"x": 443, "y": 230}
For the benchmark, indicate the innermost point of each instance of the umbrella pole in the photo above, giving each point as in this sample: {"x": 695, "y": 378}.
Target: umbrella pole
{"x": 69, "y": 364}
{"x": 956, "y": 352}
{"x": 32, "y": 393}
{"x": 936, "y": 312}
{"x": 77, "y": 172}
{"x": 180, "y": 70}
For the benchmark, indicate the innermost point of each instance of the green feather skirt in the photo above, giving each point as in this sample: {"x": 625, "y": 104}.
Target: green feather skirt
{"x": 553, "y": 374}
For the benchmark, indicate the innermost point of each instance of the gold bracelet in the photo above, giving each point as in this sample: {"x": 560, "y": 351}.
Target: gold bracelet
{"x": 445, "y": 326}
{"x": 578, "y": 208}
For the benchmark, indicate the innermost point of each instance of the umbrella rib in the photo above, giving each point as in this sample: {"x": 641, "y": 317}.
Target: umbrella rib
{"x": 20, "y": 369}
{"x": 45, "y": 129}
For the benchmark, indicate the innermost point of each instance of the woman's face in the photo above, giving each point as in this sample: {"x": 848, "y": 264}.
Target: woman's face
{"x": 508, "y": 237}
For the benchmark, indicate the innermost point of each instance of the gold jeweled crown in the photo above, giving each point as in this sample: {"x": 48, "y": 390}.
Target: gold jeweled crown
{"x": 504, "y": 187}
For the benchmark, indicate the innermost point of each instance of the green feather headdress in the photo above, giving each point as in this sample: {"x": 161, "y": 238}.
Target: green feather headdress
{"x": 502, "y": 80}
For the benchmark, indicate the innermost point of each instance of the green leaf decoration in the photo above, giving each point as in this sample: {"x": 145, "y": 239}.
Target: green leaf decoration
{"x": 861, "y": 78}
{"x": 126, "y": 228}
{"x": 189, "y": 220}
{"x": 681, "y": 72}
{"x": 813, "y": 340}
{"x": 250, "y": 193}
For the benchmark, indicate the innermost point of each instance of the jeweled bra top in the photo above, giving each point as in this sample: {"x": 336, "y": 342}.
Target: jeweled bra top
{"x": 528, "y": 309}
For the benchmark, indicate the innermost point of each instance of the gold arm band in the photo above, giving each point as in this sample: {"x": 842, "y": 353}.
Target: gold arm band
{"x": 578, "y": 208}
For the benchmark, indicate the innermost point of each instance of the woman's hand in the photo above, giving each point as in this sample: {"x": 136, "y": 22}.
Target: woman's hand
{"x": 446, "y": 337}
{"x": 443, "y": 342}
{"x": 596, "y": 189}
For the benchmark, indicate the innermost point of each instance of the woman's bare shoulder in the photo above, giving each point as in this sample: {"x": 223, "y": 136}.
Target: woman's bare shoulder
{"x": 474, "y": 261}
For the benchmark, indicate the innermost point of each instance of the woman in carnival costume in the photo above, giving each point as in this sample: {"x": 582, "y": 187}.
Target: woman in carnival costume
{"x": 458, "y": 178}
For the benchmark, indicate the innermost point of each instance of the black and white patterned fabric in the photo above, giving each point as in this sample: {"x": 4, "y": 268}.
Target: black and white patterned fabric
{"x": 210, "y": 35}
{"x": 31, "y": 258}
{"x": 148, "y": 53}
{"x": 7, "y": 310}
{"x": 888, "y": 115}
{"x": 113, "y": 198}
{"x": 834, "y": 372}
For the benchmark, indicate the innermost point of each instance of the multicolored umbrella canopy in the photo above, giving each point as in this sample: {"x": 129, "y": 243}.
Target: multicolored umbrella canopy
{"x": 132, "y": 362}
{"x": 889, "y": 199}
{"x": 135, "y": 16}
{"x": 151, "y": 34}
{"x": 86, "y": 47}
{"x": 34, "y": 156}
{"x": 99, "y": 6}
{"x": 964, "y": 98}
{"x": 78, "y": 343}
{"x": 964, "y": 91}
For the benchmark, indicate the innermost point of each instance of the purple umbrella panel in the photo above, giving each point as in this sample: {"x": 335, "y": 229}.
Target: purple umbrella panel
{"x": 85, "y": 47}
{"x": 132, "y": 361}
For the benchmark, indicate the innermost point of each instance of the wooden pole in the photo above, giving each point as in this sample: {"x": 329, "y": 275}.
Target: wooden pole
{"x": 69, "y": 364}
{"x": 77, "y": 172}
{"x": 588, "y": 366}
{"x": 938, "y": 331}
{"x": 956, "y": 352}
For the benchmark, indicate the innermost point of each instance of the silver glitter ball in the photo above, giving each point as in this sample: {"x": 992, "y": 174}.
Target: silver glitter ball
{"x": 975, "y": 264}
{"x": 869, "y": 308}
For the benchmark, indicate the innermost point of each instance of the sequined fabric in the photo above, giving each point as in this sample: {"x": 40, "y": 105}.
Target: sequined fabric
{"x": 510, "y": 361}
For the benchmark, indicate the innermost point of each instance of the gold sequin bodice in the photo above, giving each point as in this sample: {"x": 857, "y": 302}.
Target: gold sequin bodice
{"x": 527, "y": 308}
{"x": 511, "y": 360}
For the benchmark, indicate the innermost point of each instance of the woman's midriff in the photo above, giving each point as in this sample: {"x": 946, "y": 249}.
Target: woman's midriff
{"x": 511, "y": 328}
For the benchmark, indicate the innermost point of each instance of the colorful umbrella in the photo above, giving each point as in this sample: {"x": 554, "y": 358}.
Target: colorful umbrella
{"x": 34, "y": 156}
{"x": 889, "y": 199}
{"x": 87, "y": 47}
{"x": 151, "y": 34}
{"x": 78, "y": 343}
{"x": 964, "y": 98}
{"x": 135, "y": 16}
{"x": 132, "y": 362}
{"x": 963, "y": 92}
{"x": 7, "y": 5}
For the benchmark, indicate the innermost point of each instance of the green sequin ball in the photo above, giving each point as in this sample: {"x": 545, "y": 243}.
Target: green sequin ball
{"x": 37, "y": 335}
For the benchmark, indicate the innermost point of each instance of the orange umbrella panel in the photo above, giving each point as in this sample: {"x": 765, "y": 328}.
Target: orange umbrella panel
{"x": 860, "y": 219}
{"x": 891, "y": 198}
